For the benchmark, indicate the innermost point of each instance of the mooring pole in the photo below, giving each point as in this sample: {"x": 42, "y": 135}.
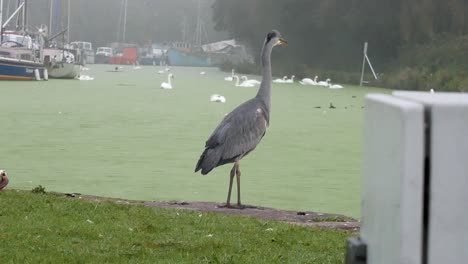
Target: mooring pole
{"x": 363, "y": 64}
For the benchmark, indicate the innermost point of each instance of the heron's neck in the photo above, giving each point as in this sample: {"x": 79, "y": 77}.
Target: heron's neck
{"x": 264, "y": 92}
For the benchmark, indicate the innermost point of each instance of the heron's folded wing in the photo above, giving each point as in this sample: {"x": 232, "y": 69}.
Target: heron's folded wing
{"x": 244, "y": 134}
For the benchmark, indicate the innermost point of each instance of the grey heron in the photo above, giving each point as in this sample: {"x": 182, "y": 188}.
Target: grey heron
{"x": 242, "y": 129}
{"x": 3, "y": 179}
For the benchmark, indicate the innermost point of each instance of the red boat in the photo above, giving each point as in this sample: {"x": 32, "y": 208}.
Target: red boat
{"x": 128, "y": 56}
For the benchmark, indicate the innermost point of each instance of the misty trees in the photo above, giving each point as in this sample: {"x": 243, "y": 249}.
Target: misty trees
{"x": 330, "y": 33}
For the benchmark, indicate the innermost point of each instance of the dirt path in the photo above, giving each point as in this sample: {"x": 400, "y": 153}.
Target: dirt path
{"x": 293, "y": 217}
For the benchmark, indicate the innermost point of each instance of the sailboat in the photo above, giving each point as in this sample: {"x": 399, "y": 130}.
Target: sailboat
{"x": 19, "y": 59}
{"x": 188, "y": 54}
{"x": 61, "y": 63}
{"x": 124, "y": 53}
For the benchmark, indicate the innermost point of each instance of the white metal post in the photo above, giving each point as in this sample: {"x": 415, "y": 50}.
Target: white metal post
{"x": 363, "y": 63}
{"x": 1, "y": 19}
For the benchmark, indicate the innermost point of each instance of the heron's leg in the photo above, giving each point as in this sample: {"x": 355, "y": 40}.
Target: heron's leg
{"x": 231, "y": 178}
{"x": 238, "y": 174}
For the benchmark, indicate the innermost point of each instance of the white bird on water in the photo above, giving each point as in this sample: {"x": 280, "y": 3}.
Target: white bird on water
{"x": 217, "y": 98}
{"x": 85, "y": 78}
{"x": 290, "y": 80}
{"x": 333, "y": 86}
{"x": 202, "y": 73}
{"x": 281, "y": 80}
{"x": 243, "y": 84}
{"x": 323, "y": 83}
{"x": 308, "y": 81}
{"x": 167, "y": 85}
{"x": 251, "y": 81}
{"x": 230, "y": 78}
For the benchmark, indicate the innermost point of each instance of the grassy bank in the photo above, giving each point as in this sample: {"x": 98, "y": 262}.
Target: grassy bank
{"x": 45, "y": 228}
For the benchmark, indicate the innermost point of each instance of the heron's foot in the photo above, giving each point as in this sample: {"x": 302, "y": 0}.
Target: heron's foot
{"x": 230, "y": 206}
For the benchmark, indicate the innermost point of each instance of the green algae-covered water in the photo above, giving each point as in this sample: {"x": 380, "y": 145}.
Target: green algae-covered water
{"x": 119, "y": 135}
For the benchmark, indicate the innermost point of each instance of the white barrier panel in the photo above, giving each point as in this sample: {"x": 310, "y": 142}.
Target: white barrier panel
{"x": 415, "y": 192}
{"x": 393, "y": 177}
{"x": 448, "y": 193}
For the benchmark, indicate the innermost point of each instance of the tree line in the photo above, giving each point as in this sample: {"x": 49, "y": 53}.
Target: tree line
{"x": 329, "y": 34}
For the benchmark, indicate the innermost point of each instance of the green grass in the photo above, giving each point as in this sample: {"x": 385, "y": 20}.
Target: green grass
{"x": 45, "y": 228}
{"x": 122, "y": 136}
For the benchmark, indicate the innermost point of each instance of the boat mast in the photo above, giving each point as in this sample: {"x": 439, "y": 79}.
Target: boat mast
{"x": 25, "y": 16}
{"x": 68, "y": 23}
{"x": 1, "y": 21}
{"x": 198, "y": 30}
{"x": 125, "y": 21}
{"x": 51, "y": 11}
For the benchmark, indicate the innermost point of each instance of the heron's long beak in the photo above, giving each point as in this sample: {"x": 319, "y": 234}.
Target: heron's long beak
{"x": 282, "y": 42}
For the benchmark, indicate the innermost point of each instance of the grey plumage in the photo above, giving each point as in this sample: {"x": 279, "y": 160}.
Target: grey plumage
{"x": 242, "y": 129}
{"x": 237, "y": 135}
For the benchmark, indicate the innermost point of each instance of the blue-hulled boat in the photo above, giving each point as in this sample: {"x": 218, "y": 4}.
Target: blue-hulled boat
{"x": 178, "y": 57}
{"x": 183, "y": 54}
{"x": 19, "y": 58}
{"x": 16, "y": 69}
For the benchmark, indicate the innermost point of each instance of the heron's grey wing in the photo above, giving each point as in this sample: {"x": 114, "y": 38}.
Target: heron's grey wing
{"x": 244, "y": 133}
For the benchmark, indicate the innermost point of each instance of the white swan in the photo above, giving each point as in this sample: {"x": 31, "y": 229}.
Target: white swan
{"x": 308, "y": 81}
{"x": 290, "y": 80}
{"x": 167, "y": 69}
{"x": 243, "y": 84}
{"x": 85, "y": 78}
{"x": 281, "y": 80}
{"x": 333, "y": 86}
{"x": 202, "y": 73}
{"x": 432, "y": 90}
{"x": 323, "y": 83}
{"x": 168, "y": 84}
{"x": 252, "y": 81}
{"x": 230, "y": 78}
{"x": 161, "y": 72}
{"x": 217, "y": 98}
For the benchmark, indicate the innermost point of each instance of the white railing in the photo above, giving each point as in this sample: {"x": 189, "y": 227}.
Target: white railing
{"x": 415, "y": 184}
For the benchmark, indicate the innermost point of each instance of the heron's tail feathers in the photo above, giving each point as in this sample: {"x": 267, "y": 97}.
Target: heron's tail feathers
{"x": 208, "y": 160}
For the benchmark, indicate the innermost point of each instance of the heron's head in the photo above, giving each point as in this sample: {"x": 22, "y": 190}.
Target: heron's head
{"x": 274, "y": 38}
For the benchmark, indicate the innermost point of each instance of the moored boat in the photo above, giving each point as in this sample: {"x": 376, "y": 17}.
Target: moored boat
{"x": 17, "y": 69}
{"x": 103, "y": 55}
{"x": 86, "y": 50}
{"x": 61, "y": 63}
{"x": 19, "y": 58}
{"x": 183, "y": 54}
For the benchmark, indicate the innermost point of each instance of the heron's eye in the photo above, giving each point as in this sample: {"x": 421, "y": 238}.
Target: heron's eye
{"x": 270, "y": 36}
